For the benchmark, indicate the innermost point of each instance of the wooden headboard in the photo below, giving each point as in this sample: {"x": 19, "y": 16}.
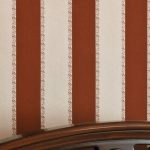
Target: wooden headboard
{"x": 106, "y": 136}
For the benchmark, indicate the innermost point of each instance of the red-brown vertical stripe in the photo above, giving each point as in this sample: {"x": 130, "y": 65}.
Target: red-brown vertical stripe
{"x": 136, "y": 59}
{"x": 28, "y": 65}
{"x": 83, "y": 46}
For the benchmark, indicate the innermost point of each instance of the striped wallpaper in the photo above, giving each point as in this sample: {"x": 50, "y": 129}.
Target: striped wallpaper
{"x": 65, "y": 62}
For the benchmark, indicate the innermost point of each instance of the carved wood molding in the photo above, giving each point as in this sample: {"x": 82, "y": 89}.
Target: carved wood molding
{"x": 82, "y": 136}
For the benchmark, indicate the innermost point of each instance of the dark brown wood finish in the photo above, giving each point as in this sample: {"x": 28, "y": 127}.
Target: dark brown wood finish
{"x": 81, "y": 136}
{"x": 28, "y": 65}
{"x": 141, "y": 147}
{"x": 84, "y": 72}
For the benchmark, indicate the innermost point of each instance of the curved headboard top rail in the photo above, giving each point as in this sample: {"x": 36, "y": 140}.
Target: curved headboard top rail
{"x": 81, "y": 136}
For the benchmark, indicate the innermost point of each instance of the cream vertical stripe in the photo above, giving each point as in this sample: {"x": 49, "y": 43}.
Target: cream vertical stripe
{"x": 56, "y": 63}
{"x": 110, "y": 60}
{"x": 6, "y": 68}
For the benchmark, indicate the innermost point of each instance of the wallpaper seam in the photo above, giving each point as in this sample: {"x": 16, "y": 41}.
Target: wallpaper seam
{"x": 13, "y": 67}
{"x": 123, "y": 60}
{"x": 42, "y": 65}
{"x": 148, "y": 60}
{"x": 70, "y": 61}
{"x": 97, "y": 62}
